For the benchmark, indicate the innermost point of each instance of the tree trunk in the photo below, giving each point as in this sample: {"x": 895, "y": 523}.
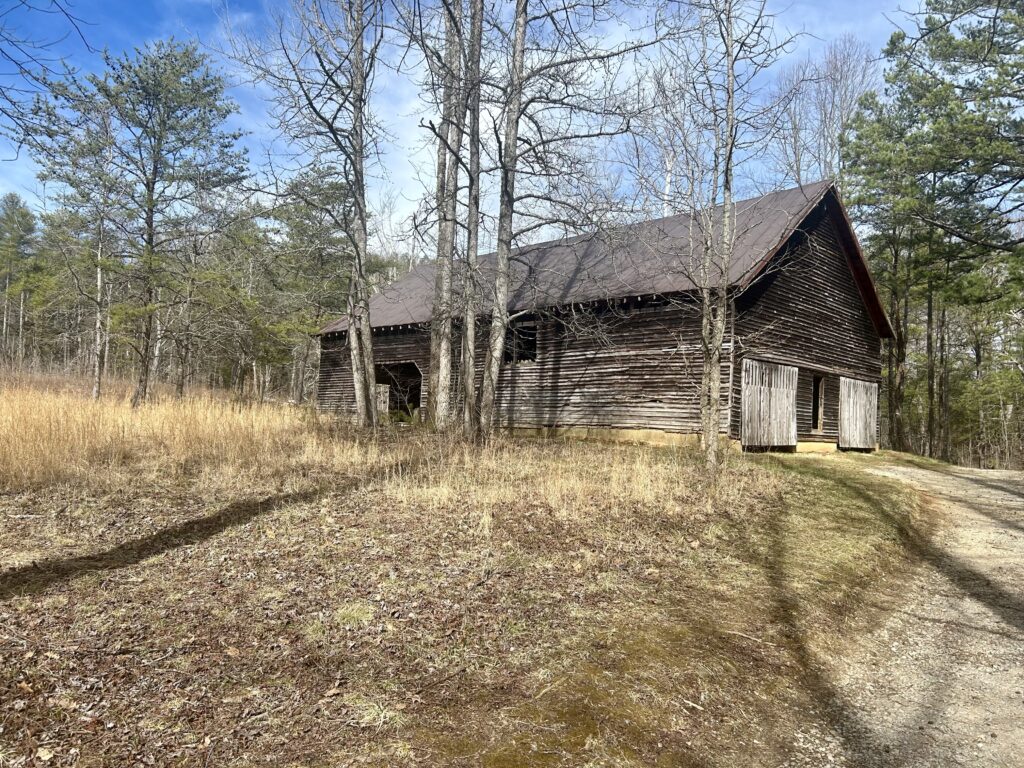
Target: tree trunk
{"x": 715, "y": 277}
{"x": 358, "y": 362}
{"x": 149, "y": 292}
{"x": 21, "y": 329}
{"x": 439, "y": 290}
{"x": 360, "y": 331}
{"x": 930, "y": 366}
{"x": 106, "y": 334}
{"x": 943, "y": 387}
{"x": 470, "y": 412}
{"x": 145, "y": 355}
{"x": 509, "y": 157}
{"x": 6, "y": 348}
{"x": 99, "y": 358}
{"x": 449, "y": 153}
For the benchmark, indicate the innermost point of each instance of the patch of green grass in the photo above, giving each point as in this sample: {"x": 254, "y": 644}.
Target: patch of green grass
{"x": 354, "y": 614}
{"x": 369, "y": 712}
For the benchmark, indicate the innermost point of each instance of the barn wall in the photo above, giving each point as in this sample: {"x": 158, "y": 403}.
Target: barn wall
{"x": 631, "y": 368}
{"x": 807, "y": 311}
{"x": 638, "y": 366}
{"x": 334, "y": 382}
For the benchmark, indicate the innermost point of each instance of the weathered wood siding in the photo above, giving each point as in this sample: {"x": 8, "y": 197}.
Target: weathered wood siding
{"x": 334, "y": 382}
{"x": 636, "y": 368}
{"x": 807, "y": 311}
{"x": 632, "y": 368}
{"x": 768, "y": 408}
{"x": 858, "y": 413}
{"x": 805, "y": 406}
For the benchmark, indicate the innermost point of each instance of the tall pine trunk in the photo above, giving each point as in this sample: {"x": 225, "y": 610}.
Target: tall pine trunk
{"x": 145, "y": 345}
{"x": 99, "y": 346}
{"x": 930, "y": 366}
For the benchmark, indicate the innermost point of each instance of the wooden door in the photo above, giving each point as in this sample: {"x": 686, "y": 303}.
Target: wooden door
{"x": 858, "y": 413}
{"x": 768, "y": 413}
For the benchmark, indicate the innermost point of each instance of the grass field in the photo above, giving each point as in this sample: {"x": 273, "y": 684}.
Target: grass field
{"x": 207, "y": 583}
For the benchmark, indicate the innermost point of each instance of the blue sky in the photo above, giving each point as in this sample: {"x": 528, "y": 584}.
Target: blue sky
{"x": 120, "y": 25}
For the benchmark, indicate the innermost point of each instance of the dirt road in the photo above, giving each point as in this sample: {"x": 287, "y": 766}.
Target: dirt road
{"x": 941, "y": 682}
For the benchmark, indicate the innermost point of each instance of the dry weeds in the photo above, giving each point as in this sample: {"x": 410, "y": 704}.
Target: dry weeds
{"x": 204, "y": 583}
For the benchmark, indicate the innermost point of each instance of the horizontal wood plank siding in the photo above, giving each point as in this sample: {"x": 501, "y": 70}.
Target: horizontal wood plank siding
{"x": 805, "y": 406}
{"x": 631, "y": 369}
{"x": 334, "y": 381}
{"x": 636, "y": 369}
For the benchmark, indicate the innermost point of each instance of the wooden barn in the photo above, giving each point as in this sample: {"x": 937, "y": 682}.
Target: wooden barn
{"x": 606, "y": 333}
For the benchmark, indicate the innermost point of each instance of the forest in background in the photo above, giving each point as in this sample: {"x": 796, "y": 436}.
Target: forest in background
{"x": 164, "y": 254}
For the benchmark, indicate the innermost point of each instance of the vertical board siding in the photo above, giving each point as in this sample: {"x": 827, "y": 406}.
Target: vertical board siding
{"x": 807, "y": 311}
{"x": 768, "y": 405}
{"x": 858, "y": 413}
{"x": 383, "y": 398}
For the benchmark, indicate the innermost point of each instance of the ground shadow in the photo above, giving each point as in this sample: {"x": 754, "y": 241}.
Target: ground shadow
{"x": 859, "y": 741}
{"x": 863, "y": 746}
{"x": 1009, "y": 607}
{"x": 983, "y": 482}
{"x": 39, "y": 576}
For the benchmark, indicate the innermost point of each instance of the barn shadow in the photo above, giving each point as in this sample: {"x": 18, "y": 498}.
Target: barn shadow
{"x": 39, "y": 576}
{"x": 865, "y": 747}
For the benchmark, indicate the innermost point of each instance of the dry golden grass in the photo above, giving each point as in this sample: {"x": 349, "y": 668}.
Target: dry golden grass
{"x": 51, "y": 435}
{"x": 202, "y": 582}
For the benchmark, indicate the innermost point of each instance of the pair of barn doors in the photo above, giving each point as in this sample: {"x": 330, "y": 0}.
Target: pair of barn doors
{"x": 769, "y": 401}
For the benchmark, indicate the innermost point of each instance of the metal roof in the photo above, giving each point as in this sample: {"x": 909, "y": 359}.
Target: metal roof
{"x": 652, "y": 257}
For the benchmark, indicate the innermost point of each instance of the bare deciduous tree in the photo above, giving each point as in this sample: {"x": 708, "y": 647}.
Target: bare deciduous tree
{"x": 820, "y": 97}
{"x": 709, "y": 118}
{"x": 320, "y": 65}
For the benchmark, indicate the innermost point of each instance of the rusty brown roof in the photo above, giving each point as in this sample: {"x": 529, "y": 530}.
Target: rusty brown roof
{"x": 647, "y": 258}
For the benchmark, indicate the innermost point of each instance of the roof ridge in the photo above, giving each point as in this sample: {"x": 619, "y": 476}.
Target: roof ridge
{"x": 820, "y": 184}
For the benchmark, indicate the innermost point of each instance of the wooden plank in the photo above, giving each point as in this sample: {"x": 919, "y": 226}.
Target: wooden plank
{"x": 768, "y": 410}
{"x": 383, "y": 399}
{"x": 858, "y": 413}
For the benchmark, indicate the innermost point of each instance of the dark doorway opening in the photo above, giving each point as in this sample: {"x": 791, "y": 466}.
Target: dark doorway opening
{"x": 818, "y": 404}
{"x": 404, "y": 382}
